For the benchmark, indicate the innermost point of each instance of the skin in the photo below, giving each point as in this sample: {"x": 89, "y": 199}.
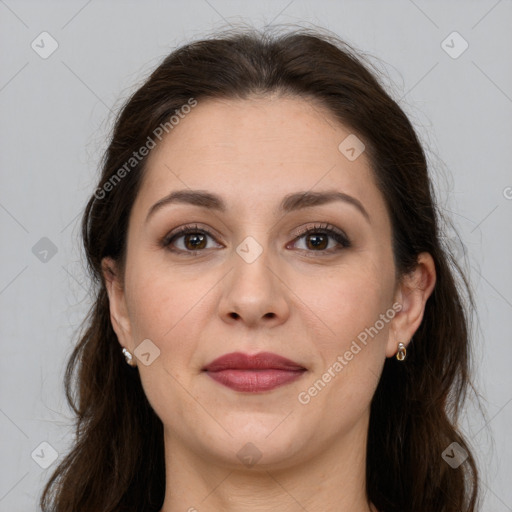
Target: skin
{"x": 297, "y": 300}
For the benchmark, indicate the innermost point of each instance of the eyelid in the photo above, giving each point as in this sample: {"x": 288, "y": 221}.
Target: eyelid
{"x": 331, "y": 231}
{"x": 320, "y": 226}
{"x": 185, "y": 229}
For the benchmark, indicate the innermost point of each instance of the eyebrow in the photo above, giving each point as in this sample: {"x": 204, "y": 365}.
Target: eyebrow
{"x": 291, "y": 202}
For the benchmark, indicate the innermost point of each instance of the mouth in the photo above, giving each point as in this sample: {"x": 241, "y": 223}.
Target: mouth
{"x": 253, "y": 373}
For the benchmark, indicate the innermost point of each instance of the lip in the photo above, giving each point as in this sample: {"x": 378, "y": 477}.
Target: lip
{"x": 253, "y": 373}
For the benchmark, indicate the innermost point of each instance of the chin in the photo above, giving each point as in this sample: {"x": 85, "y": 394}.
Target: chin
{"x": 259, "y": 442}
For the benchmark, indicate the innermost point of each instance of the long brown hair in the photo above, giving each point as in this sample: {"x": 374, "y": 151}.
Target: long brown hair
{"x": 117, "y": 462}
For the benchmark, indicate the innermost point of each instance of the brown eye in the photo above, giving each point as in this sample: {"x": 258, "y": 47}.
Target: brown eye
{"x": 322, "y": 238}
{"x": 190, "y": 240}
{"x": 194, "y": 241}
{"x": 315, "y": 242}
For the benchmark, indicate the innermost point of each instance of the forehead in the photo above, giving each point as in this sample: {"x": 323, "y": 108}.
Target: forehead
{"x": 255, "y": 151}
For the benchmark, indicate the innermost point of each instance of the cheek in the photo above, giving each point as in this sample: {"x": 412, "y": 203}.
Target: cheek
{"x": 160, "y": 301}
{"x": 355, "y": 309}
{"x": 167, "y": 311}
{"x": 347, "y": 302}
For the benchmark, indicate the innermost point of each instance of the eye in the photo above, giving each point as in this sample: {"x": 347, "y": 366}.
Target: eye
{"x": 322, "y": 238}
{"x": 189, "y": 239}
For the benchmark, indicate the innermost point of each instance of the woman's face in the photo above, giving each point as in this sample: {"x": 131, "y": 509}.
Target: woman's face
{"x": 247, "y": 279}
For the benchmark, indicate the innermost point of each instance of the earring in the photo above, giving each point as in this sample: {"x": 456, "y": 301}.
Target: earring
{"x": 129, "y": 358}
{"x": 402, "y": 352}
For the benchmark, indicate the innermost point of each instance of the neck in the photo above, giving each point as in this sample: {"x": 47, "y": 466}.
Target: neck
{"x": 333, "y": 480}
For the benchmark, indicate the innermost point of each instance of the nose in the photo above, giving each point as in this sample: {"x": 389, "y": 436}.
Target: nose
{"x": 253, "y": 294}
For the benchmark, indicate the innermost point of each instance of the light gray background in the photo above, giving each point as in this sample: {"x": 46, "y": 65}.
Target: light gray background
{"x": 55, "y": 117}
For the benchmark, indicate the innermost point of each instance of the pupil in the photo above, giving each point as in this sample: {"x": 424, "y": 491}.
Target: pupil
{"x": 195, "y": 241}
{"x": 317, "y": 241}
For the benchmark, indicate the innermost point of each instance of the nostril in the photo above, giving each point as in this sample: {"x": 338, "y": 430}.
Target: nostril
{"x": 266, "y": 315}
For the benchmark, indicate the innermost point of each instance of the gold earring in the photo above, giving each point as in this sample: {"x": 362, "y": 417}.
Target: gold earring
{"x": 402, "y": 352}
{"x": 129, "y": 358}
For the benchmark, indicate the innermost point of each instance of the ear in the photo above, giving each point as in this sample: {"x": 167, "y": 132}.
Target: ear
{"x": 118, "y": 310}
{"x": 412, "y": 293}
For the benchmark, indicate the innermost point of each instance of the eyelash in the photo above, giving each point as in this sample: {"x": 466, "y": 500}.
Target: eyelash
{"x": 323, "y": 229}
{"x": 329, "y": 230}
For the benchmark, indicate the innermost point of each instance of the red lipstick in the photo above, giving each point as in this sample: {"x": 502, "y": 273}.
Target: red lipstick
{"x": 253, "y": 373}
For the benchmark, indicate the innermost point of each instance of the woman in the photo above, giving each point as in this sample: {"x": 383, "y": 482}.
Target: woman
{"x": 277, "y": 325}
